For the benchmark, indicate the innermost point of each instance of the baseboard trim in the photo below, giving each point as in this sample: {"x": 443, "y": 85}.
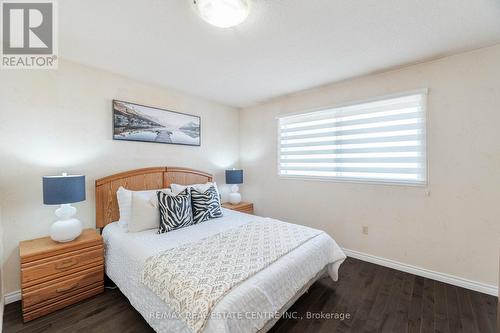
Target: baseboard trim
{"x": 12, "y": 297}
{"x": 442, "y": 277}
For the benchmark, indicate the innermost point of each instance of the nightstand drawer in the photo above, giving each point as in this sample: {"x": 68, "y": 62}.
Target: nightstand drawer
{"x": 48, "y": 307}
{"x": 248, "y": 210}
{"x": 62, "y": 287}
{"x": 53, "y": 267}
{"x": 243, "y": 207}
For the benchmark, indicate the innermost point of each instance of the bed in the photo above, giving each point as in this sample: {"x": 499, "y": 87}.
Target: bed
{"x": 253, "y": 305}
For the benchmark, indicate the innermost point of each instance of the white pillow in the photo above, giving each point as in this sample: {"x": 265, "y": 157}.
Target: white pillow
{"x": 144, "y": 215}
{"x": 177, "y": 188}
{"x": 124, "y": 198}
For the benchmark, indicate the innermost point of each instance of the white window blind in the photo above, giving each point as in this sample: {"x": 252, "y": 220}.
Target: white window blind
{"x": 379, "y": 141}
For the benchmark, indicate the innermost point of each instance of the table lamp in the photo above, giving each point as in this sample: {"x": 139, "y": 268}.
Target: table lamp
{"x": 64, "y": 190}
{"x": 234, "y": 177}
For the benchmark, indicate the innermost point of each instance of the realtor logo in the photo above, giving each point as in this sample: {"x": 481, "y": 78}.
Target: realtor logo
{"x": 29, "y": 34}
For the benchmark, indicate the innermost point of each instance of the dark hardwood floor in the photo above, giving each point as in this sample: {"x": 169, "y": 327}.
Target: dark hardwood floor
{"x": 370, "y": 298}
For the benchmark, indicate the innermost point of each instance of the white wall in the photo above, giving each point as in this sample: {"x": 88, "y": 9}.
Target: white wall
{"x": 54, "y": 121}
{"x": 61, "y": 120}
{"x": 1, "y": 272}
{"x": 455, "y": 229}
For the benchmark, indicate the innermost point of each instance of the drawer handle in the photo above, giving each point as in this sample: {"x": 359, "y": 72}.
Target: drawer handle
{"x": 66, "y": 263}
{"x": 63, "y": 290}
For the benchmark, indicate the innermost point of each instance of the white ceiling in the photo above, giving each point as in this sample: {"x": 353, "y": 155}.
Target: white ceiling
{"x": 283, "y": 47}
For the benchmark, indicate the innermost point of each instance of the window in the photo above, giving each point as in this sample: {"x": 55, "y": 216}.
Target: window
{"x": 377, "y": 141}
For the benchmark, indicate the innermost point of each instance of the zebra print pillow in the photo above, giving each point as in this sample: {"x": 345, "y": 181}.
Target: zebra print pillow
{"x": 175, "y": 211}
{"x": 206, "y": 205}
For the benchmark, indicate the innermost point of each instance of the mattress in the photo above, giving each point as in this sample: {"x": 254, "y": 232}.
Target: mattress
{"x": 248, "y": 306}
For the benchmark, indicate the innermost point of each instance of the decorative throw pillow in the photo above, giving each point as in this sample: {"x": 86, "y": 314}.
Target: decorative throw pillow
{"x": 175, "y": 211}
{"x": 144, "y": 214}
{"x": 206, "y": 205}
{"x": 124, "y": 197}
{"x": 177, "y": 188}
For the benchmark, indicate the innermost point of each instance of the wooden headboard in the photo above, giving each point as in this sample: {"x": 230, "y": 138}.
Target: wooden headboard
{"x": 106, "y": 205}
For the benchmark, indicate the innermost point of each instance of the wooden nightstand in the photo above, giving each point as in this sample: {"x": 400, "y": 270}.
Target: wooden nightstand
{"x": 55, "y": 275}
{"x": 244, "y": 207}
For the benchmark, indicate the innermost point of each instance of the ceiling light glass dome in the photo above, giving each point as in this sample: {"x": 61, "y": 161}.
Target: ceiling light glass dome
{"x": 223, "y": 13}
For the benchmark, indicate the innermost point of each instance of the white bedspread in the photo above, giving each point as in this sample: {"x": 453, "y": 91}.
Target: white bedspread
{"x": 247, "y": 307}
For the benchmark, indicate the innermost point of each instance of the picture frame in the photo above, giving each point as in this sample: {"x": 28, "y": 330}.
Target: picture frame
{"x": 142, "y": 123}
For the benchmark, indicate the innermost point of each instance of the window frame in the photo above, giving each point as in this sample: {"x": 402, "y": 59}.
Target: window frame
{"x": 425, "y": 110}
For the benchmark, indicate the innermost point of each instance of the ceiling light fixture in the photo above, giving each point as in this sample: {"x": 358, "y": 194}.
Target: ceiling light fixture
{"x": 223, "y": 13}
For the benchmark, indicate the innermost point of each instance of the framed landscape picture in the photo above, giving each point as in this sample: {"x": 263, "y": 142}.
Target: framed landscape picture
{"x": 135, "y": 122}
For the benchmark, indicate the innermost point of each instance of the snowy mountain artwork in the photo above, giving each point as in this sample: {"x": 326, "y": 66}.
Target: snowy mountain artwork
{"x": 135, "y": 122}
